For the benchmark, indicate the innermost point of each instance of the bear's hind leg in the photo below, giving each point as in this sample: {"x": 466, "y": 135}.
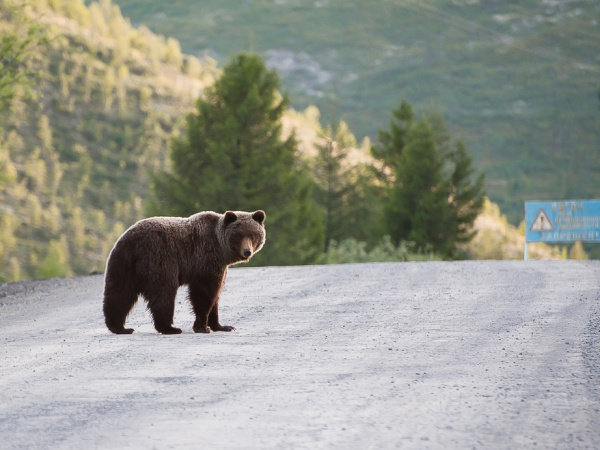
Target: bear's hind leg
{"x": 161, "y": 304}
{"x": 118, "y": 303}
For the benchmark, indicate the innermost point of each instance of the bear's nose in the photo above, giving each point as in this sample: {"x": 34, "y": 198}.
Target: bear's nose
{"x": 247, "y": 252}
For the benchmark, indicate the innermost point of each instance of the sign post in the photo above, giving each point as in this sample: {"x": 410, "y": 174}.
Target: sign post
{"x": 562, "y": 221}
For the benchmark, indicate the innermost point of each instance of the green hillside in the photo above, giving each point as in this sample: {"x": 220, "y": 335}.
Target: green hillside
{"x": 77, "y": 157}
{"x": 518, "y": 80}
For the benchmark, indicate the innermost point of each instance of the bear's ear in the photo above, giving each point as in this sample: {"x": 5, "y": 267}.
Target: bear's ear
{"x": 230, "y": 217}
{"x": 259, "y": 216}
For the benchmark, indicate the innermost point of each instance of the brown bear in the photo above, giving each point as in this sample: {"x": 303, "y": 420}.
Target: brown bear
{"x": 157, "y": 255}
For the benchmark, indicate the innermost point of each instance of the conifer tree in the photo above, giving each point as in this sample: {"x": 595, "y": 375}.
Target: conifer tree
{"x": 363, "y": 206}
{"x": 391, "y": 143}
{"x": 432, "y": 197}
{"x": 233, "y": 157}
{"x": 350, "y": 201}
{"x": 466, "y": 195}
{"x": 418, "y": 209}
{"x": 332, "y": 173}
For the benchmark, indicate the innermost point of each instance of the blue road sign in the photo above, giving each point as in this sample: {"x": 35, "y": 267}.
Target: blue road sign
{"x": 562, "y": 221}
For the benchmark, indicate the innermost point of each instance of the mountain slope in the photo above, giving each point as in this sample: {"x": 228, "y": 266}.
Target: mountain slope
{"x": 79, "y": 156}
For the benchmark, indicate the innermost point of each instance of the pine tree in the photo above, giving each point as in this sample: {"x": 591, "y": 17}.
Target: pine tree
{"x": 363, "y": 206}
{"x": 332, "y": 172}
{"x": 391, "y": 143}
{"x": 466, "y": 195}
{"x": 418, "y": 209}
{"x": 350, "y": 201}
{"x": 233, "y": 157}
{"x": 432, "y": 199}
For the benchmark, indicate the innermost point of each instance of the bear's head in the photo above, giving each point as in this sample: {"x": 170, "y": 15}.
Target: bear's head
{"x": 243, "y": 234}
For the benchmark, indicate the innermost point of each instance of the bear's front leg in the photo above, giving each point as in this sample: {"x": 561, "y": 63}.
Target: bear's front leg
{"x": 213, "y": 320}
{"x": 204, "y": 293}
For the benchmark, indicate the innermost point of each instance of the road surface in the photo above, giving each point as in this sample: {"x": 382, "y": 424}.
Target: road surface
{"x": 414, "y": 355}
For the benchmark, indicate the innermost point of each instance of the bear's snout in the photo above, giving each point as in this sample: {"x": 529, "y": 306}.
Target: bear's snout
{"x": 247, "y": 248}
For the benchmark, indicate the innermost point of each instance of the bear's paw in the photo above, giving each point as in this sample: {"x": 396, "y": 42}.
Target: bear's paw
{"x": 202, "y": 329}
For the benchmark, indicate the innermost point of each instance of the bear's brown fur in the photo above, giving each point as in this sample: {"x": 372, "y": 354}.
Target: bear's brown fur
{"x": 157, "y": 255}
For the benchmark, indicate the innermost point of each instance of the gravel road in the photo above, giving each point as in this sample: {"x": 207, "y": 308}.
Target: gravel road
{"x": 416, "y": 355}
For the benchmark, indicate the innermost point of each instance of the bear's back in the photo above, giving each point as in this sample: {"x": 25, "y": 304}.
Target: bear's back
{"x": 167, "y": 239}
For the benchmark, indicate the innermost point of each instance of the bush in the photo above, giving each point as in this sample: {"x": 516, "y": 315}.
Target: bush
{"x": 353, "y": 251}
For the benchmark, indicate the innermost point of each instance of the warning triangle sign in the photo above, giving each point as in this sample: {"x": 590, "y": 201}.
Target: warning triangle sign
{"x": 542, "y": 223}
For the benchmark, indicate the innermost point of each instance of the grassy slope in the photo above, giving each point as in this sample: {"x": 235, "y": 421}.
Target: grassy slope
{"x": 79, "y": 156}
{"x": 506, "y": 75}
